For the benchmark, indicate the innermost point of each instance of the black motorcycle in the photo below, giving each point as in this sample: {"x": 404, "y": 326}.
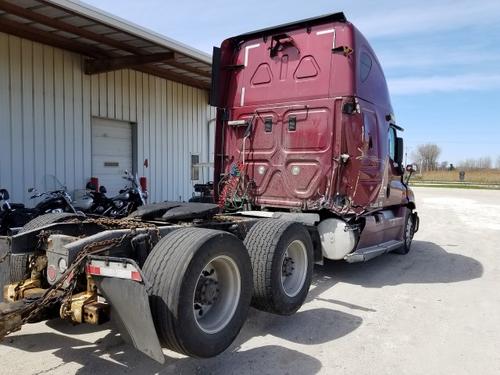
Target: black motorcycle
{"x": 12, "y": 215}
{"x": 55, "y": 200}
{"x": 95, "y": 202}
{"x": 16, "y": 215}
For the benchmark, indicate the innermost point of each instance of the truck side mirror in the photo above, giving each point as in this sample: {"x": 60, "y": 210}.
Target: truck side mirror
{"x": 399, "y": 151}
{"x": 411, "y": 168}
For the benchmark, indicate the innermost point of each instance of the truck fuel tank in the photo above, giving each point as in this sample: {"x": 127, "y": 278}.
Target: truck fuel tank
{"x": 337, "y": 238}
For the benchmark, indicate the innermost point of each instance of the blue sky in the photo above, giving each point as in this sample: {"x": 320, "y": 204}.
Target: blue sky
{"x": 441, "y": 59}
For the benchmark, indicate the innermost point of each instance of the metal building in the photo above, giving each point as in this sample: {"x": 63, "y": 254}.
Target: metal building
{"x": 84, "y": 94}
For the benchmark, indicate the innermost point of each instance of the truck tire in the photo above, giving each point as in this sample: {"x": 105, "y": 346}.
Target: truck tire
{"x": 18, "y": 263}
{"x": 47, "y": 219}
{"x": 201, "y": 285}
{"x": 282, "y": 260}
{"x": 408, "y": 232}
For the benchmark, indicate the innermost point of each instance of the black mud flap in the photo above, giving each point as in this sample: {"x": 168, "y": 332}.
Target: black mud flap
{"x": 416, "y": 222}
{"x": 129, "y": 301}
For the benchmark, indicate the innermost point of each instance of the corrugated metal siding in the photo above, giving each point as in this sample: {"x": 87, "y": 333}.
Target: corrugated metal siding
{"x": 46, "y": 105}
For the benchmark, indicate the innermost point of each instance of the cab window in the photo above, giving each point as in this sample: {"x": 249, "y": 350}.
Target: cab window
{"x": 392, "y": 143}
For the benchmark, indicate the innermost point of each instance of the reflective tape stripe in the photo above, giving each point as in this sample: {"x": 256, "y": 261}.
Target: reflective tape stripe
{"x": 114, "y": 270}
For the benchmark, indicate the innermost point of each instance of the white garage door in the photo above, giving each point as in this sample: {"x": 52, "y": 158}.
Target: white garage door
{"x": 112, "y": 152}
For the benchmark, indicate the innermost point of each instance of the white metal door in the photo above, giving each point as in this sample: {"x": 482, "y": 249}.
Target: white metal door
{"x": 112, "y": 152}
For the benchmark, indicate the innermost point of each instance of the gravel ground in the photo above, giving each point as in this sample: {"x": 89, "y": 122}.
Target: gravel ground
{"x": 433, "y": 311}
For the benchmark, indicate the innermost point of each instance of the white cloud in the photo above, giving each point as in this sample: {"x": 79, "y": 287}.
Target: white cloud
{"x": 430, "y": 84}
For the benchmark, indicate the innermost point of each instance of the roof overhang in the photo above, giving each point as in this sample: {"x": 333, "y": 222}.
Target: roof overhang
{"x": 108, "y": 42}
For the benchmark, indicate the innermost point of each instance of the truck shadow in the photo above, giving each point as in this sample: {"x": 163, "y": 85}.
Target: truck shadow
{"x": 427, "y": 262}
{"x": 306, "y": 327}
{"x": 110, "y": 355}
{"x": 264, "y": 359}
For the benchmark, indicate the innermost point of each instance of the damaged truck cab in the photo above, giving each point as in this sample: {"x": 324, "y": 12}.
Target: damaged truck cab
{"x": 308, "y": 165}
{"x": 304, "y": 112}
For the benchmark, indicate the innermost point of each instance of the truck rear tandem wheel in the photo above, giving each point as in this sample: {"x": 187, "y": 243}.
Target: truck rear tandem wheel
{"x": 282, "y": 261}
{"x": 201, "y": 286}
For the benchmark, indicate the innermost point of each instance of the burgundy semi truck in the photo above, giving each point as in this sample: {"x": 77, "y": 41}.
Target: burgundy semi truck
{"x": 308, "y": 165}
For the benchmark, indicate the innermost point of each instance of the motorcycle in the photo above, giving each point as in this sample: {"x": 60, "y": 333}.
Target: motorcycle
{"x": 12, "y": 215}
{"x": 54, "y": 200}
{"x": 95, "y": 202}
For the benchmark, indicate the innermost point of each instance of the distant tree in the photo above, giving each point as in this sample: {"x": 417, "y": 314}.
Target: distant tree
{"x": 451, "y": 167}
{"x": 468, "y": 164}
{"x": 479, "y": 163}
{"x": 484, "y": 163}
{"x": 427, "y": 155}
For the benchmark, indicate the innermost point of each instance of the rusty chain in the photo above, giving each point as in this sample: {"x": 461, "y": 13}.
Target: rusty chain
{"x": 51, "y": 296}
{"x": 57, "y": 293}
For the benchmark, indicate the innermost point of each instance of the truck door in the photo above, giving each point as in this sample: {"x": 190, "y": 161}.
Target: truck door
{"x": 364, "y": 172}
{"x": 397, "y": 191}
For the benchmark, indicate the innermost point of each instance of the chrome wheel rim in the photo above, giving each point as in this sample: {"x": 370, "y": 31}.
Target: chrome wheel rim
{"x": 294, "y": 268}
{"x": 216, "y": 294}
